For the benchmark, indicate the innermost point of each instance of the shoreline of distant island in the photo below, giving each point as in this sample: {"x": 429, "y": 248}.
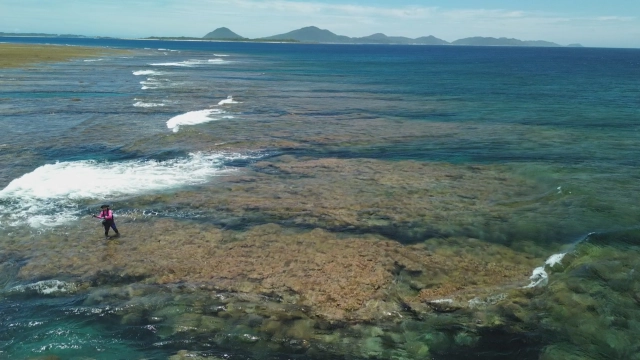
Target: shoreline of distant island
{"x": 315, "y": 35}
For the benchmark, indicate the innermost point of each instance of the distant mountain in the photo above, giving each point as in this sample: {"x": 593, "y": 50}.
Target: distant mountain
{"x": 430, "y": 40}
{"x": 377, "y": 38}
{"x": 223, "y": 33}
{"x": 28, "y": 34}
{"x": 575, "y": 45}
{"x": 42, "y": 35}
{"x": 490, "y": 41}
{"x": 384, "y": 39}
{"x": 311, "y": 34}
{"x": 314, "y": 34}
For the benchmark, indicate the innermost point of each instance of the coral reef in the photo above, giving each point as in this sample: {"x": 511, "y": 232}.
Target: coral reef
{"x": 21, "y": 55}
{"x": 406, "y": 201}
{"x": 362, "y": 258}
{"x": 339, "y": 278}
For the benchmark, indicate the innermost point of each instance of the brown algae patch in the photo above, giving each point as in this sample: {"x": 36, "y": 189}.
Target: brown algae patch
{"x": 20, "y": 55}
{"x": 335, "y": 246}
{"x": 326, "y": 263}
{"x": 340, "y": 278}
{"x": 311, "y": 292}
{"x": 408, "y": 201}
{"x": 325, "y": 272}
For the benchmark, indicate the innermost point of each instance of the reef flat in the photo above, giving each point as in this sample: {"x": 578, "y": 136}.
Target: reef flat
{"x": 20, "y": 55}
{"x": 293, "y": 269}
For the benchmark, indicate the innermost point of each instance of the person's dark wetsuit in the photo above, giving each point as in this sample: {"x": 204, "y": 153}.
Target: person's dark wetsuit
{"x": 107, "y": 221}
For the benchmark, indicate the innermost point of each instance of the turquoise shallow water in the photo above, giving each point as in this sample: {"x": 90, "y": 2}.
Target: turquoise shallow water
{"x": 80, "y": 133}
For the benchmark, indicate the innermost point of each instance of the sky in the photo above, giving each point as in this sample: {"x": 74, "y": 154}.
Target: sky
{"x": 599, "y": 23}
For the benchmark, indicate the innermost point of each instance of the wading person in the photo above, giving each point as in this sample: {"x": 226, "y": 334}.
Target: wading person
{"x": 107, "y": 220}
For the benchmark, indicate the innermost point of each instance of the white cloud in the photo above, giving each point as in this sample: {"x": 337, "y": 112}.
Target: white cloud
{"x": 615, "y": 18}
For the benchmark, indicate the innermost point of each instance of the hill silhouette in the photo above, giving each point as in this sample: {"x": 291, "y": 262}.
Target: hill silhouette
{"x": 223, "y": 33}
{"x": 490, "y": 41}
{"x": 313, "y": 34}
{"x": 380, "y": 38}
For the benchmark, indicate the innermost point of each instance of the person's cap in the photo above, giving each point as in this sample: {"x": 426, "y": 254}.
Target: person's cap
{"x": 104, "y": 206}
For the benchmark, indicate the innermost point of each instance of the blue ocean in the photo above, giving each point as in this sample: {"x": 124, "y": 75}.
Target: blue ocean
{"x": 310, "y": 201}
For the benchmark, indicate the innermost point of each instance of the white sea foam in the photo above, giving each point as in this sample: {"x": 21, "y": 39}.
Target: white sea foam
{"x": 539, "y": 277}
{"x": 92, "y": 60}
{"x": 184, "y": 64}
{"x": 153, "y": 83}
{"x": 221, "y": 55}
{"x": 150, "y": 81}
{"x": 147, "y": 105}
{"x": 147, "y": 72}
{"x": 442, "y": 301}
{"x": 194, "y": 118}
{"x": 50, "y": 195}
{"x": 149, "y": 85}
{"x": 46, "y": 287}
{"x": 228, "y": 100}
{"x": 191, "y": 63}
{"x": 555, "y": 259}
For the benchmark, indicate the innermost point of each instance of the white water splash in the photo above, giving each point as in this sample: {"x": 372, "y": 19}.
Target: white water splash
{"x": 46, "y": 287}
{"x": 538, "y": 278}
{"x": 191, "y": 63}
{"x": 194, "y": 118}
{"x": 228, "y": 100}
{"x": 555, "y": 259}
{"x": 50, "y": 195}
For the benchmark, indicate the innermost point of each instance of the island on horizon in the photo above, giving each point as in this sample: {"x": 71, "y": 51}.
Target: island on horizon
{"x": 315, "y": 35}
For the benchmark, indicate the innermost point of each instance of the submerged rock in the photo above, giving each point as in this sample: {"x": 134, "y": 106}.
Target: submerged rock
{"x": 189, "y": 355}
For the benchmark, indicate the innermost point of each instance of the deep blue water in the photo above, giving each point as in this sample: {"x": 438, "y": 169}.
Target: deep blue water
{"x": 589, "y": 94}
{"x": 566, "y": 117}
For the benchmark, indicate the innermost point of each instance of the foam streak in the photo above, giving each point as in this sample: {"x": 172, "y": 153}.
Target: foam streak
{"x": 193, "y": 118}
